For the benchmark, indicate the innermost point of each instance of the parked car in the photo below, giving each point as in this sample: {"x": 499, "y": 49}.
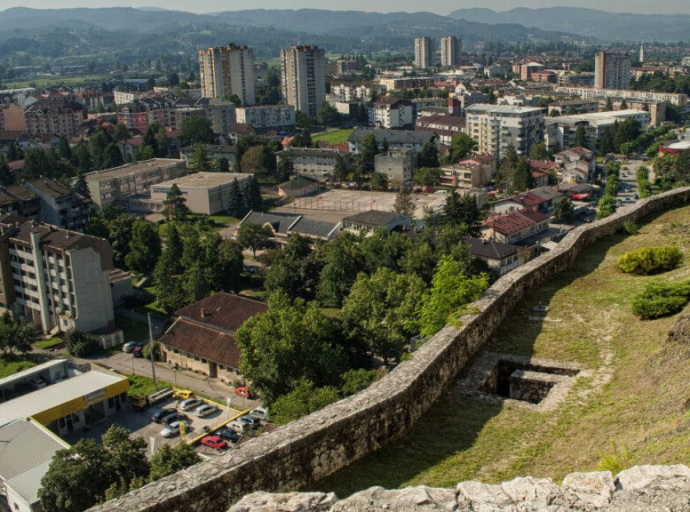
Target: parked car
{"x": 38, "y": 383}
{"x": 205, "y": 410}
{"x": 243, "y": 391}
{"x": 214, "y": 442}
{"x": 130, "y": 346}
{"x": 158, "y": 415}
{"x": 229, "y": 435}
{"x": 138, "y": 352}
{"x": 183, "y": 394}
{"x": 171, "y": 418}
{"x": 173, "y": 429}
{"x": 239, "y": 426}
{"x": 261, "y": 413}
{"x": 190, "y": 403}
{"x": 250, "y": 420}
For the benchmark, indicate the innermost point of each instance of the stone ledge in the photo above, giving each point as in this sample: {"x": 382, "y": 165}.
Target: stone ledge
{"x": 638, "y": 489}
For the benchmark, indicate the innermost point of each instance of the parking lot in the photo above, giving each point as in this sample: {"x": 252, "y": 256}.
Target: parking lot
{"x": 141, "y": 425}
{"x": 339, "y": 203}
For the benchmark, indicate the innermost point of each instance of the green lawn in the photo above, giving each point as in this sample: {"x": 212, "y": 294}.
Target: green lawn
{"x": 139, "y": 385}
{"x": 11, "y": 364}
{"x": 333, "y": 137}
{"x": 48, "y": 344}
{"x": 635, "y": 393}
{"x": 224, "y": 219}
{"x": 134, "y": 331}
{"x": 42, "y": 82}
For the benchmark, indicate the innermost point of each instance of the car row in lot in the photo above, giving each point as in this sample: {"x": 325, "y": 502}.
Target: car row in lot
{"x": 232, "y": 433}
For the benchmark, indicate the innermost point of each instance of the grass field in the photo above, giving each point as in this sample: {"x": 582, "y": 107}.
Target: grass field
{"x": 637, "y": 395}
{"x": 333, "y": 137}
{"x": 11, "y": 364}
{"x": 49, "y": 343}
{"x": 139, "y": 385}
{"x": 48, "y": 81}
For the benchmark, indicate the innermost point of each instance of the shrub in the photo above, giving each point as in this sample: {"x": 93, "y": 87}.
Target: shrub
{"x": 631, "y": 228}
{"x": 650, "y": 260}
{"x": 618, "y": 460}
{"x": 661, "y": 299}
{"x": 80, "y": 344}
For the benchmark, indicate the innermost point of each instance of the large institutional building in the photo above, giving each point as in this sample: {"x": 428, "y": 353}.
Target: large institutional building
{"x": 424, "y": 52}
{"x": 495, "y": 127}
{"x": 612, "y": 70}
{"x": 450, "y": 51}
{"x": 227, "y": 70}
{"x": 303, "y": 73}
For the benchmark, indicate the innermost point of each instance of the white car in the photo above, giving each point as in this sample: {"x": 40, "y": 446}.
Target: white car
{"x": 173, "y": 429}
{"x": 239, "y": 426}
{"x": 190, "y": 403}
{"x": 205, "y": 410}
{"x": 261, "y": 413}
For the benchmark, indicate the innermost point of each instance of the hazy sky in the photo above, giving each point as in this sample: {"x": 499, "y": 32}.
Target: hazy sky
{"x": 438, "y": 6}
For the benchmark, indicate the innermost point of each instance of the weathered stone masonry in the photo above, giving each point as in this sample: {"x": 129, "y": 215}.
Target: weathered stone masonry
{"x": 322, "y": 443}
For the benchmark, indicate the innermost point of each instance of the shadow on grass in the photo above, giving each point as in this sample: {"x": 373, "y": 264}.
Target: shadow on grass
{"x": 453, "y": 424}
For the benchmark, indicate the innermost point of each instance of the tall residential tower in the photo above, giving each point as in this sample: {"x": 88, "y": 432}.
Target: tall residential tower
{"x": 303, "y": 74}
{"x": 424, "y": 52}
{"x": 227, "y": 70}
{"x": 612, "y": 70}
{"x": 450, "y": 51}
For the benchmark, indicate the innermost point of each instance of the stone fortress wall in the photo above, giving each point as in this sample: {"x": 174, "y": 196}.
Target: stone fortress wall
{"x": 320, "y": 444}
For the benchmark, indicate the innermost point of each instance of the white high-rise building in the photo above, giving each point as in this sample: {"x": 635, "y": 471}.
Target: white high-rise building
{"x": 424, "y": 54}
{"x": 227, "y": 70}
{"x": 495, "y": 127}
{"x": 612, "y": 70}
{"x": 450, "y": 51}
{"x": 303, "y": 74}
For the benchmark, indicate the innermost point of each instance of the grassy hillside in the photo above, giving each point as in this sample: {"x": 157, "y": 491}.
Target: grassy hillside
{"x": 635, "y": 397}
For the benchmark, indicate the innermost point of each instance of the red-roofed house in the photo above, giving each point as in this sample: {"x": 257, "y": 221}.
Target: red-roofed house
{"x": 202, "y": 337}
{"x": 513, "y": 227}
{"x": 525, "y": 201}
{"x": 541, "y": 169}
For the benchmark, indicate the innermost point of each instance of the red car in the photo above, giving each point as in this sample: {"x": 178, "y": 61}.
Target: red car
{"x": 138, "y": 352}
{"x": 243, "y": 391}
{"x": 214, "y": 442}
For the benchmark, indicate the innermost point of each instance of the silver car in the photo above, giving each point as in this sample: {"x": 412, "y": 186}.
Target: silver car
{"x": 189, "y": 404}
{"x": 205, "y": 410}
{"x": 173, "y": 429}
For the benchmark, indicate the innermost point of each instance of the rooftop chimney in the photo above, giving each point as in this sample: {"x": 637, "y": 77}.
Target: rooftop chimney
{"x": 203, "y": 313}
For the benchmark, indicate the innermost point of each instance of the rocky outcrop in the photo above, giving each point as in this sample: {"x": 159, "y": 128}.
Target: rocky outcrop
{"x": 638, "y": 489}
{"x": 680, "y": 332}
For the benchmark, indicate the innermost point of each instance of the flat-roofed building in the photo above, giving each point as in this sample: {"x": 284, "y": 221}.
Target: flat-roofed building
{"x": 60, "y": 206}
{"x": 316, "y": 163}
{"x": 109, "y": 186}
{"x": 205, "y": 192}
{"x": 396, "y": 164}
{"x": 28, "y": 449}
{"x": 55, "y": 278}
{"x": 424, "y": 53}
{"x": 561, "y": 131}
{"x": 267, "y": 117}
{"x": 450, "y": 51}
{"x": 227, "y": 70}
{"x": 303, "y": 73}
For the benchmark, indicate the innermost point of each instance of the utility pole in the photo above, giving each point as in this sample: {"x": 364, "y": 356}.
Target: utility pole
{"x": 153, "y": 366}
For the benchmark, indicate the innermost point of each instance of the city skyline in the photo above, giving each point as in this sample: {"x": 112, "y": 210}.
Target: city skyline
{"x": 441, "y": 7}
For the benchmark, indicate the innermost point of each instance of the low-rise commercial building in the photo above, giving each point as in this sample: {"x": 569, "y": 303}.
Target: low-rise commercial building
{"x": 397, "y": 165}
{"x": 316, "y": 163}
{"x": 110, "y": 186}
{"x": 284, "y": 225}
{"x": 369, "y": 221}
{"x": 514, "y": 227}
{"x": 298, "y": 186}
{"x": 202, "y": 337}
{"x": 204, "y": 192}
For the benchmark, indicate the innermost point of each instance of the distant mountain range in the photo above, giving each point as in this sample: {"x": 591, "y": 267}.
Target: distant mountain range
{"x": 605, "y": 26}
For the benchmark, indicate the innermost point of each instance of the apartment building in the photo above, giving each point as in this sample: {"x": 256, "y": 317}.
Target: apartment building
{"x": 408, "y": 82}
{"x": 227, "y": 70}
{"x": 59, "y": 205}
{"x": 495, "y": 127}
{"x": 446, "y": 127}
{"x": 219, "y": 112}
{"x": 303, "y": 74}
{"x": 54, "y": 116}
{"x": 315, "y": 163}
{"x": 450, "y": 51}
{"x": 424, "y": 53}
{"x": 396, "y": 164}
{"x": 347, "y": 91}
{"x": 395, "y": 139}
{"x": 111, "y": 186}
{"x": 612, "y": 70}
{"x": 56, "y": 278}
{"x": 470, "y": 173}
{"x": 589, "y": 93}
{"x": 143, "y": 112}
{"x": 19, "y": 200}
{"x": 513, "y": 227}
{"x": 390, "y": 112}
{"x": 267, "y": 117}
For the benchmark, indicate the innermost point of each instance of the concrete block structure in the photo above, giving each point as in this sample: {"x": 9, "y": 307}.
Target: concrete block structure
{"x": 227, "y": 70}
{"x": 303, "y": 74}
